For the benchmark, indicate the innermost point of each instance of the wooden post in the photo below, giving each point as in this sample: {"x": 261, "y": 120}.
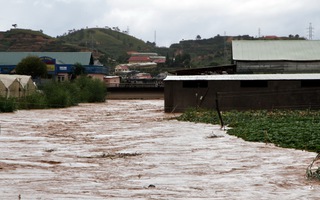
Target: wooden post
{"x": 218, "y": 110}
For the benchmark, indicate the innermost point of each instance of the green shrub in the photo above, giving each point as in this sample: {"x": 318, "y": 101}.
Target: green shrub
{"x": 91, "y": 90}
{"x": 200, "y": 115}
{"x": 58, "y": 95}
{"x": 7, "y": 105}
{"x": 36, "y": 100}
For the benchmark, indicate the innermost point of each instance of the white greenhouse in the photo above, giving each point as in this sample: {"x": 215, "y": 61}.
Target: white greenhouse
{"x": 16, "y": 85}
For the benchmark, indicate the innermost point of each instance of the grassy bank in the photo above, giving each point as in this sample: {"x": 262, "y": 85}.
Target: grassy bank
{"x": 299, "y": 129}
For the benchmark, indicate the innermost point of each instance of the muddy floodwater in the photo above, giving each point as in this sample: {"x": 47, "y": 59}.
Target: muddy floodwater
{"x": 130, "y": 149}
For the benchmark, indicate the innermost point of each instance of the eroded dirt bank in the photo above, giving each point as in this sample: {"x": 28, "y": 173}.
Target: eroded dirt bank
{"x": 129, "y": 150}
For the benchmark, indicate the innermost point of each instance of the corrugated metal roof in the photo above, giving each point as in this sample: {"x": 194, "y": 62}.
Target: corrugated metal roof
{"x": 236, "y": 77}
{"x": 139, "y": 59}
{"x": 13, "y": 58}
{"x": 273, "y": 50}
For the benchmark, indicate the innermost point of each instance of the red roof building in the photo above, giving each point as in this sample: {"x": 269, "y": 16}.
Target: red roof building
{"x": 139, "y": 59}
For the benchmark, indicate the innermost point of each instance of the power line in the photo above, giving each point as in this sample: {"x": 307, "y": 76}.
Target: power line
{"x": 310, "y": 31}
{"x": 155, "y": 37}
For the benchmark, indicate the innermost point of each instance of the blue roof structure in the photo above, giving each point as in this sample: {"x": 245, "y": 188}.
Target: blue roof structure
{"x": 59, "y": 62}
{"x": 13, "y": 58}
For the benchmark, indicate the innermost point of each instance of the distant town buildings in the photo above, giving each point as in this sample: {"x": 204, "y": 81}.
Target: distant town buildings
{"x": 139, "y": 61}
{"x": 60, "y": 65}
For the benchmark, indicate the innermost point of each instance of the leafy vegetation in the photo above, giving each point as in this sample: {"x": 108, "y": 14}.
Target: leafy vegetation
{"x": 7, "y": 105}
{"x": 90, "y": 90}
{"x": 81, "y": 90}
{"x": 33, "y": 66}
{"x": 36, "y": 100}
{"x": 60, "y": 95}
{"x": 14, "y": 32}
{"x": 299, "y": 129}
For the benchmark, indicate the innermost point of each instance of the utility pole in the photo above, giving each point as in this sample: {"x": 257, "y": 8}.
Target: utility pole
{"x": 225, "y": 48}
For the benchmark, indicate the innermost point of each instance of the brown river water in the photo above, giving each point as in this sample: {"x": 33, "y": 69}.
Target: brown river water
{"x": 131, "y": 149}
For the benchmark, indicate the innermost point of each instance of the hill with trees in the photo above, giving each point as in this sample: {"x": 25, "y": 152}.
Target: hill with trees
{"x": 24, "y": 40}
{"x": 106, "y": 43}
{"x": 204, "y": 52}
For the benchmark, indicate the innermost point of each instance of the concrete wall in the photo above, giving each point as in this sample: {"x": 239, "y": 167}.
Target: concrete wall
{"x": 277, "y": 67}
{"x": 242, "y": 95}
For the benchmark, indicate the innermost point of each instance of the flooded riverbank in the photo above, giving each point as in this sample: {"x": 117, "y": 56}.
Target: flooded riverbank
{"x": 130, "y": 149}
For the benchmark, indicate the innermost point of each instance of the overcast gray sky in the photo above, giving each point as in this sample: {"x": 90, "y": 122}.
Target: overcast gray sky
{"x": 171, "y": 20}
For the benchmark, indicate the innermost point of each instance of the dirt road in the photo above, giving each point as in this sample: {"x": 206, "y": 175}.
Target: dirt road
{"x": 130, "y": 150}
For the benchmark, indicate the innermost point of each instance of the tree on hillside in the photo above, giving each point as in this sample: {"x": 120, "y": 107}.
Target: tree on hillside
{"x": 107, "y": 60}
{"x": 123, "y": 58}
{"x": 79, "y": 69}
{"x": 169, "y": 61}
{"x": 33, "y": 66}
{"x": 182, "y": 60}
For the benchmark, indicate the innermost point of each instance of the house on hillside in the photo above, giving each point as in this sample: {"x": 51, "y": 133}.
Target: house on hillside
{"x": 158, "y": 59}
{"x": 121, "y": 69}
{"x": 276, "y": 56}
{"x": 136, "y": 57}
{"x": 60, "y": 65}
{"x": 242, "y": 91}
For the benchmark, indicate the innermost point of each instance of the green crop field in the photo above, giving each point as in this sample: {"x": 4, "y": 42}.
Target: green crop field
{"x": 298, "y": 129}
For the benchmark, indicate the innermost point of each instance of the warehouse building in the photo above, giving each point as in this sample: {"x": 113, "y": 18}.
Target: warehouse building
{"x": 270, "y": 74}
{"x": 242, "y": 91}
{"x": 276, "y": 56}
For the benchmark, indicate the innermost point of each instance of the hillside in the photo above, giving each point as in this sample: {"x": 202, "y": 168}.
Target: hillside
{"x": 207, "y": 52}
{"x": 20, "y": 40}
{"x": 217, "y": 50}
{"x": 106, "y": 41}
{"x": 109, "y": 46}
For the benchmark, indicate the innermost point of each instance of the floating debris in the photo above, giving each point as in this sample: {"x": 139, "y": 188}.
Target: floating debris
{"x": 112, "y": 156}
{"x": 151, "y": 186}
